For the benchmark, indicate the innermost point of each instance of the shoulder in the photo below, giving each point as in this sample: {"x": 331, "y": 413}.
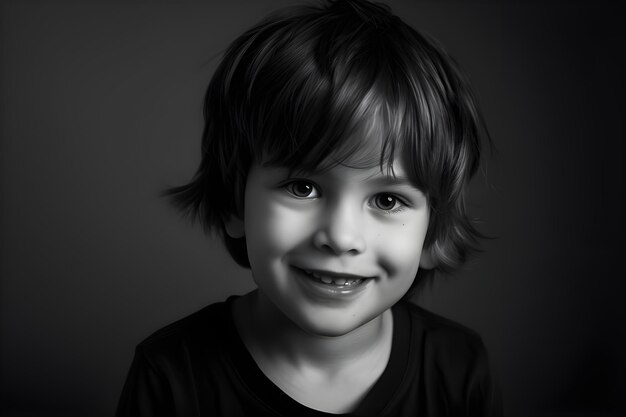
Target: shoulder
{"x": 441, "y": 329}
{"x": 170, "y": 360}
{"x": 202, "y": 329}
{"x": 450, "y": 344}
{"x": 454, "y": 365}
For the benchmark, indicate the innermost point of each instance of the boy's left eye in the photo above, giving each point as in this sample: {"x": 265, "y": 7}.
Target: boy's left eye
{"x": 387, "y": 202}
{"x": 302, "y": 189}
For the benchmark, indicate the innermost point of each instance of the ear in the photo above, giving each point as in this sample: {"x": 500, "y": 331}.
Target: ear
{"x": 234, "y": 226}
{"x": 427, "y": 259}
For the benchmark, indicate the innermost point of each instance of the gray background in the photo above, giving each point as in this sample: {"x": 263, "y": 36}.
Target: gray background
{"x": 101, "y": 109}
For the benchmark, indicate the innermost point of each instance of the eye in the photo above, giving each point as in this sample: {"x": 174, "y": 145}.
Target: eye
{"x": 302, "y": 189}
{"x": 388, "y": 202}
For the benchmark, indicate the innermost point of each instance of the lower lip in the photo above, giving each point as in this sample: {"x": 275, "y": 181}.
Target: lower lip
{"x": 329, "y": 291}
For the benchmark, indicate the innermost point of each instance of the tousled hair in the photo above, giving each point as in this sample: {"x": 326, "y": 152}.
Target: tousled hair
{"x": 294, "y": 89}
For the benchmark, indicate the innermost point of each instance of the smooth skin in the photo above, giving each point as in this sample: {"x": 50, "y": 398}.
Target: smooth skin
{"x": 323, "y": 349}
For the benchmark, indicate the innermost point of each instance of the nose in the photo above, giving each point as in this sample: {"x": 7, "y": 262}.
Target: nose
{"x": 341, "y": 230}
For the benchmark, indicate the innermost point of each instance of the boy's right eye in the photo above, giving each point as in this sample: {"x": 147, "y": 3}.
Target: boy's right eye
{"x": 302, "y": 189}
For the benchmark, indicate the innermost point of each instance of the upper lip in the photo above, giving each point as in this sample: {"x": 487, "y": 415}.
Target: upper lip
{"x": 333, "y": 274}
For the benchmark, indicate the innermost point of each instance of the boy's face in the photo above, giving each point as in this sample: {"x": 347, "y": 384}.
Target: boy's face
{"x": 336, "y": 249}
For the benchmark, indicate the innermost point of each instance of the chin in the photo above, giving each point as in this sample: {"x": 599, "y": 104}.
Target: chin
{"x": 332, "y": 326}
{"x": 328, "y": 331}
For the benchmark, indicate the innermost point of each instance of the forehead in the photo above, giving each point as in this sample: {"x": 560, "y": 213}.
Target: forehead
{"x": 362, "y": 148}
{"x": 368, "y": 143}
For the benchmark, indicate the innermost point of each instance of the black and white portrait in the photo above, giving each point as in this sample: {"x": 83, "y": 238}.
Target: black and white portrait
{"x": 413, "y": 208}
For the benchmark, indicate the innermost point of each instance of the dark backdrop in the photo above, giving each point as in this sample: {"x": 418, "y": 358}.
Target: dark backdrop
{"x": 101, "y": 109}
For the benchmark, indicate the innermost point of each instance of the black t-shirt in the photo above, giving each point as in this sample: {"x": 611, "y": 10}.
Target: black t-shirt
{"x": 199, "y": 366}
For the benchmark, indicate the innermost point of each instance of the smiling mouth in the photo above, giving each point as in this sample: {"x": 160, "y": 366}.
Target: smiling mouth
{"x": 329, "y": 278}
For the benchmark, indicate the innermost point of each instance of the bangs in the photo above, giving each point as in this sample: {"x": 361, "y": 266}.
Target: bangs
{"x": 359, "y": 135}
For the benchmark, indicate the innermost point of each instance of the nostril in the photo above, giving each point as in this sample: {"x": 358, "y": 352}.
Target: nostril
{"x": 339, "y": 245}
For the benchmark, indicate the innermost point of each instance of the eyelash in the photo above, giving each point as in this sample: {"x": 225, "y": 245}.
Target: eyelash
{"x": 290, "y": 184}
{"x": 402, "y": 204}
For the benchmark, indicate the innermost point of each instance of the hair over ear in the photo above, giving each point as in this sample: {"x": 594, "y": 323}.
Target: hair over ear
{"x": 235, "y": 227}
{"x": 427, "y": 260}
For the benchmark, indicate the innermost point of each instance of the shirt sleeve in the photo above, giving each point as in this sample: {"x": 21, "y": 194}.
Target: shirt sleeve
{"x": 459, "y": 379}
{"x": 146, "y": 392}
{"x": 483, "y": 396}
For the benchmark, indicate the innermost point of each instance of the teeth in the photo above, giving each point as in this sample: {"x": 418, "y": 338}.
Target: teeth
{"x": 334, "y": 281}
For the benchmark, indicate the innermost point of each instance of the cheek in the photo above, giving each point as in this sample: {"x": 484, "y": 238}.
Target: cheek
{"x": 400, "y": 247}
{"x": 273, "y": 229}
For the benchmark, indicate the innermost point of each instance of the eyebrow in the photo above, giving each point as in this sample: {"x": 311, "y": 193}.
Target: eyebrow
{"x": 378, "y": 180}
{"x": 390, "y": 180}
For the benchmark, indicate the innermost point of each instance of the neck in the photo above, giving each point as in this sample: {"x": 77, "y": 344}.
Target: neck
{"x": 271, "y": 336}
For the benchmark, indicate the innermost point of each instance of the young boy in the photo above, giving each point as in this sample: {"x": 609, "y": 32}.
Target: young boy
{"x": 337, "y": 148}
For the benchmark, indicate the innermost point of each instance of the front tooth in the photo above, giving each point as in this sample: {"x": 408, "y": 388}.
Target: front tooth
{"x": 339, "y": 281}
{"x": 325, "y": 280}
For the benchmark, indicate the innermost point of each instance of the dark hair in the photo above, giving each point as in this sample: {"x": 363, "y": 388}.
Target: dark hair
{"x": 294, "y": 87}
